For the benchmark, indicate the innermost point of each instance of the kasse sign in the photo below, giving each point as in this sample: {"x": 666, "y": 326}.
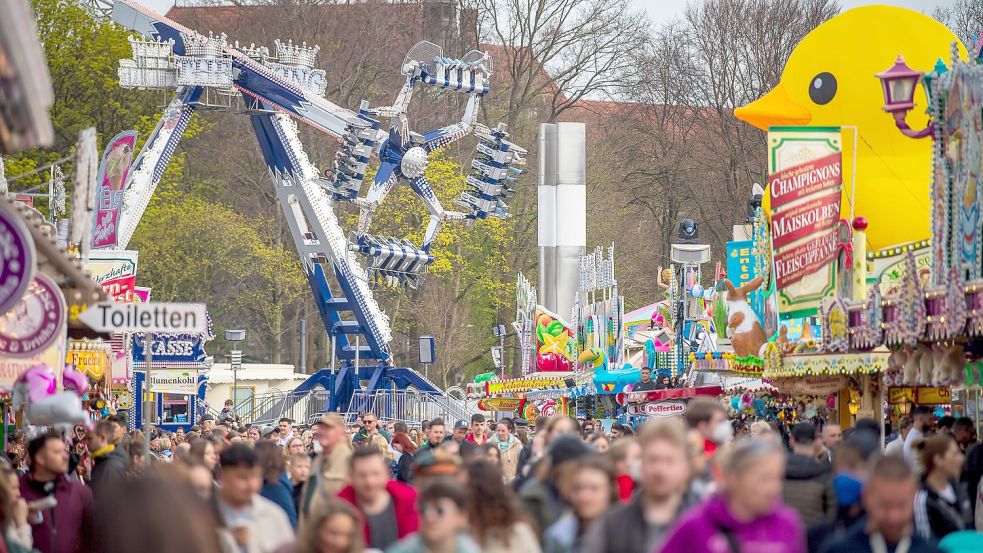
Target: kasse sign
{"x": 146, "y": 317}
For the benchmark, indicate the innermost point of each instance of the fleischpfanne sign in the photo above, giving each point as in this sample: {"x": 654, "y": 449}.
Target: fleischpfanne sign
{"x": 804, "y": 188}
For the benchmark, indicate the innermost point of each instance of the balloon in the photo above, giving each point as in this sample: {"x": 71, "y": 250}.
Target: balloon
{"x": 484, "y": 377}
{"x": 735, "y": 403}
{"x": 552, "y": 362}
{"x": 696, "y": 291}
{"x": 828, "y": 82}
{"x": 75, "y": 381}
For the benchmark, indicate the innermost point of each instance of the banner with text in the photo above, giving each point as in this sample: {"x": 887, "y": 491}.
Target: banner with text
{"x": 111, "y": 183}
{"x": 116, "y": 272}
{"x": 805, "y": 165}
{"x": 174, "y": 381}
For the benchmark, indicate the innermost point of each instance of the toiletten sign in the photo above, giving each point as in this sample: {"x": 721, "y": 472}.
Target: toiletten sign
{"x": 804, "y": 189}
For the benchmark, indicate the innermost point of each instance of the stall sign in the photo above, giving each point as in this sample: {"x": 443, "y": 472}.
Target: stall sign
{"x": 90, "y": 363}
{"x": 17, "y": 259}
{"x": 170, "y": 348}
{"x": 900, "y": 394}
{"x": 500, "y": 404}
{"x": 921, "y": 395}
{"x": 116, "y": 272}
{"x": 657, "y": 408}
{"x": 740, "y": 262}
{"x": 36, "y": 321}
{"x": 521, "y": 385}
{"x": 813, "y": 385}
{"x": 932, "y": 395}
{"x": 173, "y": 381}
{"x": 805, "y": 179}
{"x": 11, "y": 368}
{"x": 111, "y": 184}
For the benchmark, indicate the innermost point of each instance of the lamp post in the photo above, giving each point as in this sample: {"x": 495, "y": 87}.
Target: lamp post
{"x": 235, "y": 363}
{"x": 898, "y": 83}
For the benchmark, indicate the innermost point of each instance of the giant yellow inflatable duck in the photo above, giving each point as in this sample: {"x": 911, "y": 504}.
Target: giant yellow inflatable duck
{"x": 829, "y": 81}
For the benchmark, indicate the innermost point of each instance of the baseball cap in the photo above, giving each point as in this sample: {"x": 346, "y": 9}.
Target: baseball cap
{"x": 332, "y": 419}
{"x": 461, "y": 425}
{"x": 206, "y": 417}
{"x": 267, "y": 430}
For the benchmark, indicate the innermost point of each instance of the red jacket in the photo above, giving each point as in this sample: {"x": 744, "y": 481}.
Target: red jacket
{"x": 66, "y": 527}
{"x": 470, "y": 438}
{"x": 404, "y": 507}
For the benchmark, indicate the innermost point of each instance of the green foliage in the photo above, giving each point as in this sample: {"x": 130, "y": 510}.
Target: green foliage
{"x": 195, "y": 250}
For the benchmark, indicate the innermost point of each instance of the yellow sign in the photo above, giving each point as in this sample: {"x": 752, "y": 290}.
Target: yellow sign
{"x": 897, "y": 395}
{"x": 933, "y": 395}
{"x": 90, "y": 363}
{"x": 500, "y": 404}
{"x": 922, "y": 395}
{"x": 522, "y": 385}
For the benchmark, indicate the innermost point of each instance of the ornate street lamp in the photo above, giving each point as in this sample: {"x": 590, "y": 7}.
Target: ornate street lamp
{"x": 899, "y": 83}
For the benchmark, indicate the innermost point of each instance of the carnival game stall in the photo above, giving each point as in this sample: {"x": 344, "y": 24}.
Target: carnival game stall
{"x": 662, "y": 403}
{"x": 55, "y": 369}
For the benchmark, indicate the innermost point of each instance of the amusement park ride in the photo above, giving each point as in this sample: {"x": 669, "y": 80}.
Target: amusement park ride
{"x": 209, "y": 73}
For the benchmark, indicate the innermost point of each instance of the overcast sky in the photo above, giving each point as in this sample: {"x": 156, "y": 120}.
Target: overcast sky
{"x": 661, "y": 10}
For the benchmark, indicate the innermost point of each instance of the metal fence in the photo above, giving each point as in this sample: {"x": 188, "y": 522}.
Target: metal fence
{"x": 409, "y": 406}
{"x": 412, "y": 407}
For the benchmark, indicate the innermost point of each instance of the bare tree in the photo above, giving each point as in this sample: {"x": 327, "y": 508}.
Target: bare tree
{"x": 964, "y": 17}
{"x": 560, "y": 51}
{"x": 683, "y": 153}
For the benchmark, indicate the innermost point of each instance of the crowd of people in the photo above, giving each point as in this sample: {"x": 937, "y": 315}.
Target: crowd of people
{"x": 694, "y": 484}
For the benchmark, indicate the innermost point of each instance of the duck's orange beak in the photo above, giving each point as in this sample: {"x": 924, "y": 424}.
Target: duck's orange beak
{"x": 772, "y": 110}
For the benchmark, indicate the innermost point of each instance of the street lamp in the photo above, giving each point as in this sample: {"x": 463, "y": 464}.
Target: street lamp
{"x": 899, "y": 83}
{"x": 904, "y": 408}
{"x": 235, "y": 363}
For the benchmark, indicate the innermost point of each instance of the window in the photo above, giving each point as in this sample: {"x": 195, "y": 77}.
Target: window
{"x": 175, "y": 408}
{"x": 244, "y": 400}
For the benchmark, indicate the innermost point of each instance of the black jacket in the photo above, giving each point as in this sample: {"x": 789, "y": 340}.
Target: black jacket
{"x": 935, "y": 517}
{"x": 404, "y": 468}
{"x": 109, "y": 469}
{"x": 856, "y": 540}
{"x": 972, "y": 474}
{"x": 808, "y": 488}
{"x": 624, "y": 528}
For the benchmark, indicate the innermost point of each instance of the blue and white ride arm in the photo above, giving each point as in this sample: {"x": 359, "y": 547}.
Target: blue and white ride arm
{"x": 152, "y": 161}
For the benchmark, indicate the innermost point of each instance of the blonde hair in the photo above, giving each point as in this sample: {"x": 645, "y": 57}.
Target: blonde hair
{"x": 746, "y": 453}
{"x": 671, "y": 430}
{"x": 931, "y": 446}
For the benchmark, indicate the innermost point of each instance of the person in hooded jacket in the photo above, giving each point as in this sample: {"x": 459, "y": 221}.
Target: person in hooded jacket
{"x": 808, "y": 484}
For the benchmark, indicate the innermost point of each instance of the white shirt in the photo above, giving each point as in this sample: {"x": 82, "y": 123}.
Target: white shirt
{"x": 895, "y": 447}
{"x": 909, "y": 455}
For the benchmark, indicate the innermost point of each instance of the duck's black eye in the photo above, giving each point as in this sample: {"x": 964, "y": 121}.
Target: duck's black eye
{"x": 822, "y": 89}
